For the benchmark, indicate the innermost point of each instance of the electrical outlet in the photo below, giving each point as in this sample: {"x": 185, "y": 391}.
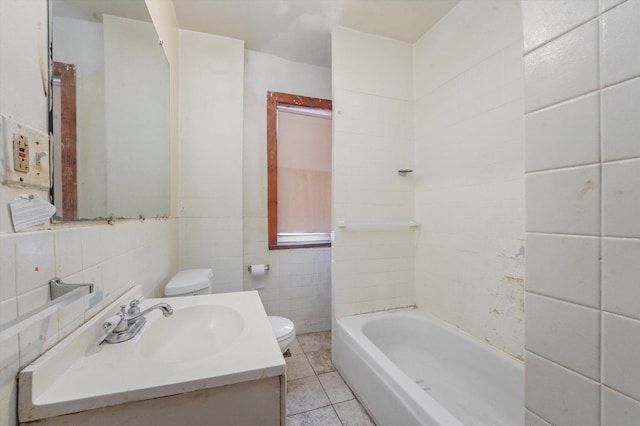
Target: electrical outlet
{"x": 20, "y": 153}
{"x": 18, "y": 142}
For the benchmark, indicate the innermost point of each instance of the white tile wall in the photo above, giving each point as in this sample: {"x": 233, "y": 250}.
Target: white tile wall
{"x": 565, "y": 333}
{"x": 621, "y": 199}
{"x": 68, "y": 245}
{"x": 560, "y": 396}
{"x": 373, "y": 137}
{"x": 621, "y": 121}
{"x": 588, "y": 214}
{"x": 620, "y": 354}
{"x": 298, "y": 285}
{"x": 544, "y": 20}
{"x": 469, "y": 194}
{"x": 618, "y": 409}
{"x": 473, "y": 44}
{"x": 118, "y": 258}
{"x": 567, "y": 201}
{"x": 531, "y": 419}
{"x": 562, "y": 69}
{"x": 620, "y": 272}
{"x": 32, "y": 268}
{"x": 608, "y": 4}
{"x": 620, "y": 31}
{"x": 565, "y": 267}
{"x": 8, "y": 267}
{"x": 371, "y": 64}
{"x": 564, "y": 135}
{"x": 211, "y": 117}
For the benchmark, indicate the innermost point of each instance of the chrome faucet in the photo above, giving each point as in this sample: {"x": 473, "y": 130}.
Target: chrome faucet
{"x": 165, "y": 308}
{"x": 127, "y": 323}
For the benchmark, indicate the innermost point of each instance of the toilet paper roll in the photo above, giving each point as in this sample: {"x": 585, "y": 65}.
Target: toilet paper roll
{"x": 257, "y": 270}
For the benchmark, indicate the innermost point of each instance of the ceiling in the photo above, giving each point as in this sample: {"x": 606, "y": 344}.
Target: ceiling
{"x": 92, "y": 10}
{"x": 300, "y": 30}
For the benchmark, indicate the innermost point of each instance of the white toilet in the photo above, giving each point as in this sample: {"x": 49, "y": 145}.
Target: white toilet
{"x": 192, "y": 282}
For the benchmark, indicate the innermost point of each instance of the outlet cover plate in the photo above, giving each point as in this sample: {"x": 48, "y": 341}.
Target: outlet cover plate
{"x": 37, "y": 176}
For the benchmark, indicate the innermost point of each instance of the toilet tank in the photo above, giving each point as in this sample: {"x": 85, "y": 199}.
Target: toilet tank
{"x": 190, "y": 282}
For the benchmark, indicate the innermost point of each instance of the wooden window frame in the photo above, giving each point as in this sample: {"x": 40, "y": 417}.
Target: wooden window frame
{"x": 273, "y": 100}
{"x": 68, "y": 139}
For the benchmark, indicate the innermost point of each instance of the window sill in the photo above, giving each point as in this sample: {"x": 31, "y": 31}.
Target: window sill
{"x": 298, "y": 245}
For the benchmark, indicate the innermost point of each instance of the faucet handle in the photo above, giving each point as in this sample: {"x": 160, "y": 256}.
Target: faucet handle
{"x": 134, "y": 305}
{"x": 108, "y": 326}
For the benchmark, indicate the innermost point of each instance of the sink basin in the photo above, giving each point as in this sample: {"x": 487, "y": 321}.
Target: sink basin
{"x": 191, "y": 333}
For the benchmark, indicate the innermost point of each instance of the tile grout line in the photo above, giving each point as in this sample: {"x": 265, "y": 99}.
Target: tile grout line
{"x": 323, "y": 389}
{"x": 316, "y": 375}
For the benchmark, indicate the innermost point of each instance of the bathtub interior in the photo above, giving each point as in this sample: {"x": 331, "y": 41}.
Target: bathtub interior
{"x": 474, "y": 382}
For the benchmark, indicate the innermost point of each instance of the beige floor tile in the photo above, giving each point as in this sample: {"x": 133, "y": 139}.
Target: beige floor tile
{"x": 298, "y": 367}
{"x": 315, "y": 341}
{"x": 295, "y": 348}
{"x": 325, "y": 416}
{"x": 305, "y": 395}
{"x": 336, "y": 389}
{"x": 351, "y": 413}
{"x": 321, "y": 361}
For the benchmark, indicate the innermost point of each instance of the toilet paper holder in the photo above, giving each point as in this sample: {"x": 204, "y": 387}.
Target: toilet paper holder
{"x": 266, "y": 267}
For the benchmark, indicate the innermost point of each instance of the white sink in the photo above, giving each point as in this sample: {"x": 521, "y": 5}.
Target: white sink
{"x": 191, "y": 333}
{"x": 209, "y": 342}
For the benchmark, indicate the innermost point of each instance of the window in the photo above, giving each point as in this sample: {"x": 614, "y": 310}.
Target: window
{"x": 299, "y": 171}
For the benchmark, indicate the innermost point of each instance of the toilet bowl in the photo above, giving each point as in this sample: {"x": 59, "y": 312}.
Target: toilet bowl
{"x": 284, "y": 331}
{"x": 192, "y": 282}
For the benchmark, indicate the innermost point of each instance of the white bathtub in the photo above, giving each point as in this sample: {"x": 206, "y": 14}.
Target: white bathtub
{"x": 408, "y": 368}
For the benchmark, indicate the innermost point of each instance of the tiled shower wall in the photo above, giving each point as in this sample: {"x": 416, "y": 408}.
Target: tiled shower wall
{"x": 470, "y": 172}
{"x": 373, "y": 139}
{"x": 582, "y": 97}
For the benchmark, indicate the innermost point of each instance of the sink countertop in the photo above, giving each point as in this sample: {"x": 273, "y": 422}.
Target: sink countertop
{"x": 76, "y": 375}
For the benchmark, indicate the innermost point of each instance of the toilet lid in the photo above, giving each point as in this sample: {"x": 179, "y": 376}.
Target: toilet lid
{"x": 282, "y": 327}
{"x": 188, "y": 281}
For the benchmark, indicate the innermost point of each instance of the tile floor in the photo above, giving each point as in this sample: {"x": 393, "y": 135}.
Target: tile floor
{"x": 316, "y": 394}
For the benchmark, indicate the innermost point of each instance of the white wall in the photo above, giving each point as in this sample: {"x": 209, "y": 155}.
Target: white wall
{"x": 469, "y": 172}
{"x": 373, "y": 139}
{"x": 298, "y": 286}
{"x": 582, "y": 89}
{"x": 113, "y": 257}
{"x": 210, "y": 200}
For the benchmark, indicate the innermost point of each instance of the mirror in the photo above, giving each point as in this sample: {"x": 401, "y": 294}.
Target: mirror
{"x": 109, "y": 101}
